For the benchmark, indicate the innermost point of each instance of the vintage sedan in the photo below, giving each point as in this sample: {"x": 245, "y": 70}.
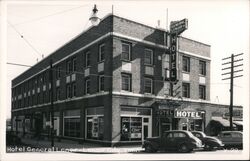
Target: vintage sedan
{"x": 178, "y": 140}
{"x": 209, "y": 142}
{"x": 231, "y": 139}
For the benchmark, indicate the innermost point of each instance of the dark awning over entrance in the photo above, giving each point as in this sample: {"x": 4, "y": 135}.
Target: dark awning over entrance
{"x": 222, "y": 121}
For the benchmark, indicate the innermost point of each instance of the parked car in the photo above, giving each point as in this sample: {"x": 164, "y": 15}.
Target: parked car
{"x": 231, "y": 139}
{"x": 178, "y": 140}
{"x": 12, "y": 139}
{"x": 209, "y": 142}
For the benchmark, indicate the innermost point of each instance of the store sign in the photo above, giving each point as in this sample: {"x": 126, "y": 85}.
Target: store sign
{"x": 164, "y": 113}
{"x": 188, "y": 114}
{"x": 178, "y": 26}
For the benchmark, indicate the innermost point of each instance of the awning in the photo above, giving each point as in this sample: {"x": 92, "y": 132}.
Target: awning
{"x": 239, "y": 123}
{"x": 222, "y": 121}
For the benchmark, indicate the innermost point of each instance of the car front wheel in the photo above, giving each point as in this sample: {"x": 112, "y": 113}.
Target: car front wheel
{"x": 183, "y": 148}
{"x": 149, "y": 148}
{"x": 208, "y": 147}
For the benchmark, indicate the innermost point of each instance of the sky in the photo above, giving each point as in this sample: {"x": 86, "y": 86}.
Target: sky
{"x": 46, "y": 26}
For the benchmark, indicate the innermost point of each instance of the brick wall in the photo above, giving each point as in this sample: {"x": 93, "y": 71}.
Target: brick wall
{"x": 194, "y": 47}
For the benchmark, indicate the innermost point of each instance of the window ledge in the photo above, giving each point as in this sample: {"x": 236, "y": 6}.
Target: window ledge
{"x": 186, "y": 72}
{"x": 201, "y": 75}
{"x": 101, "y": 61}
{"x": 150, "y": 65}
{"x": 124, "y": 60}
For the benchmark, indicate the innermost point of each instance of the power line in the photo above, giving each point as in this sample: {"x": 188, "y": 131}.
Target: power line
{"x": 43, "y": 17}
{"x": 21, "y": 35}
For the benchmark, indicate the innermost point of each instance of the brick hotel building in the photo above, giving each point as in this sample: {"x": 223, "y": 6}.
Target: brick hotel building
{"x": 109, "y": 87}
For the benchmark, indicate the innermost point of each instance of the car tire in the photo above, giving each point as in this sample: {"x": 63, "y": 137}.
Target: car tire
{"x": 208, "y": 147}
{"x": 149, "y": 148}
{"x": 183, "y": 148}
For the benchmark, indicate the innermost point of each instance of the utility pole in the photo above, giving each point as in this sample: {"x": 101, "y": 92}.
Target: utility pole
{"x": 232, "y": 76}
{"x": 52, "y": 104}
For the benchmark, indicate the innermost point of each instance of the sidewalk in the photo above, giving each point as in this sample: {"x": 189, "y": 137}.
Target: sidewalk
{"x": 81, "y": 148}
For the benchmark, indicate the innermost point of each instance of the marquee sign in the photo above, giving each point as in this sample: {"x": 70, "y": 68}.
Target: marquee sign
{"x": 188, "y": 114}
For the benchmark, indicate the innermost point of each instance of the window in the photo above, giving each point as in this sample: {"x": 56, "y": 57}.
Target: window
{"x": 44, "y": 96}
{"x": 74, "y": 64}
{"x": 148, "y": 57}
{"x": 202, "y": 67}
{"x": 101, "y": 83}
{"x": 131, "y": 128}
{"x": 68, "y": 91}
{"x": 126, "y": 51}
{"x": 87, "y": 86}
{"x": 95, "y": 123}
{"x": 148, "y": 85}
{"x": 179, "y": 135}
{"x": 72, "y": 127}
{"x": 73, "y": 89}
{"x": 101, "y": 52}
{"x": 186, "y": 64}
{"x": 202, "y": 92}
{"x": 38, "y": 98}
{"x": 87, "y": 59}
{"x": 69, "y": 69}
{"x": 58, "y": 92}
{"x": 126, "y": 82}
{"x": 186, "y": 90}
{"x": 58, "y": 72}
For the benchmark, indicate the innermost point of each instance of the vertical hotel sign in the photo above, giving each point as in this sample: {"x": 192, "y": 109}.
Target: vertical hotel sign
{"x": 176, "y": 28}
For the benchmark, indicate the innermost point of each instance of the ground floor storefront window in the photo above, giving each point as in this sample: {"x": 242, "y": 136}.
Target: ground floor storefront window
{"x": 72, "y": 123}
{"x": 131, "y": 128}
{"x": 95, "y": 123}
{"x": 136, "y": 123}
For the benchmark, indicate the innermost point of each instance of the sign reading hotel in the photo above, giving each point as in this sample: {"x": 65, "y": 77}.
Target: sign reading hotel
{"x": 176, "y": 28}
{"x": 188, "y": 114}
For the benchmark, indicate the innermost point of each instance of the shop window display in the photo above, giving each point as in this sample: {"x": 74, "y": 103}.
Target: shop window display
{"x": 131, "y": 128}
{"x": 95, "y": 123}
{"x": 95, "y": 127}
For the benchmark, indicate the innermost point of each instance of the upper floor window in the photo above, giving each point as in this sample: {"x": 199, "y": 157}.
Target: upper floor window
{"x": 202, "y": 67}
{"x": 126, "y": 51}
{"x": 101, "y": 83}
{"x": 69, "y": 69}
{"x": 186, "y": 64}
{"x": 68, "y": 91}
{"x": 148, "y": 57}
{"x": 58, "y": 72}
{"x": 74, "y": 64}
{"x": 202, "y": 92}
{"x": 101, "y": 52}
{"x": 73, "y": 89}
{"x": 148, "y": 85}
{"x": 126, "y": 82}
{"x": 87, "y": 86}
{"x": 58, "y": 92}
{"x": 186, "y": 90}
{"x": 87, "y": 59}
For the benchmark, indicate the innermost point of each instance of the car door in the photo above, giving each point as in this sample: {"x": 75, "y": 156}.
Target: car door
{"x": 226, "y": 138}
{"x": 179, "y": 138}
{"x": 236, "y": 138}
{"x": 168, "y": 140}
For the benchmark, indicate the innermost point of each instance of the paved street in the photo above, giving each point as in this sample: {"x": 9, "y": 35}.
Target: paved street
{"x": 219, "y": 154}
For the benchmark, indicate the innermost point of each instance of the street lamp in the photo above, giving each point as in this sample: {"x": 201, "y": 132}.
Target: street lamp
{"x": 94, "y": 19}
